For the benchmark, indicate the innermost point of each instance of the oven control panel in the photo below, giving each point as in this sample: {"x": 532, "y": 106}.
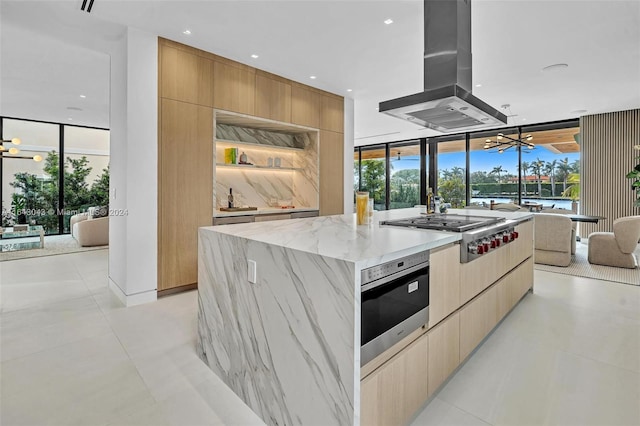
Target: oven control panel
{"x": 383, "y": 270}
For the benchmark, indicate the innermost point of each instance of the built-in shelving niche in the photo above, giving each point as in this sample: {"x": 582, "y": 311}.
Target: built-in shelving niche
{"x": 265, "y": 182}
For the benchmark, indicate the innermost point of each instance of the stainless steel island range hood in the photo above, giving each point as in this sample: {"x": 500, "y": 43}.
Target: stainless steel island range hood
{"x": 446, "y": 104}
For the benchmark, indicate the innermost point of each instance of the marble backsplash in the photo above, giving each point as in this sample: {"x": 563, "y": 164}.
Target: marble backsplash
{"x": 295, "y": 181}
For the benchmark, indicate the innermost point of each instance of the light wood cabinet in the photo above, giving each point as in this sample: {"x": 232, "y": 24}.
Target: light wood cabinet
{"x": 234, "y": 88}
{"x": 184, "y": 198}
{"x": 305, "y": 106}
{"x": 444, "y": 283}
{"x": 521, "y": 248}
{"x": 480, "y": 273}
{"x": 476, "y": 321}
{"x": 273, "y": 98}
{"x": 332, "y": 114}
{"x": 444, "y": 351}
{"x": 331, "y": 173}
{"x": 185, "y": 76}
{"x": 269, "y": 217}
{"x": 392, "y": 393}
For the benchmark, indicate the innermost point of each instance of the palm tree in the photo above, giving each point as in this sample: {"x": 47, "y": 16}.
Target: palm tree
{"x": 496, "y": 171}
{"x": 564, "y": 168}
{"x": 550, "y": 170}
{"x": 525, "y": 168}
{"x": 536, "y": 168}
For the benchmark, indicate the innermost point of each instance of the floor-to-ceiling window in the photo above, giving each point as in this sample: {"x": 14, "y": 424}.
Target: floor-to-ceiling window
{"x": 373, "y": 174}
{"x": 404, "y": 181}
{"x": 452, "y": 170}
{"x": 493, "y": 166}
{"x": 30, "y": 190}
{"x": 536, "y": 163}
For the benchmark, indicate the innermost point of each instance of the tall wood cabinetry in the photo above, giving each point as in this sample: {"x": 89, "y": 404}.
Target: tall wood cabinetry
{"x": 191, "y": 84}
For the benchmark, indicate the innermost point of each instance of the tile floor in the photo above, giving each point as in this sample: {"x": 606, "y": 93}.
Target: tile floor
{"x": 569, "y": 354}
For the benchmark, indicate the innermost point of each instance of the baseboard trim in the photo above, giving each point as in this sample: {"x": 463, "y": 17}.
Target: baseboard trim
{"x": 162, "y": 293}
{"x": 132, "y": 299}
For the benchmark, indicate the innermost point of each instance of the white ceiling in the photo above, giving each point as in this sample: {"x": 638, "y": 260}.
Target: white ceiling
{"x": 51, "y": 53}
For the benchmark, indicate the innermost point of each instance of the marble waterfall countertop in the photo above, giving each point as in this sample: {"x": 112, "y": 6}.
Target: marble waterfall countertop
{"x": 263, "y": 210}
{"x": 340, "y": 238}
{"x": 287, "y": 341}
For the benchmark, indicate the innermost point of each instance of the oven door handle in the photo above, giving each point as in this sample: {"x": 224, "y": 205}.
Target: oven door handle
{"x": 388, "y": 278}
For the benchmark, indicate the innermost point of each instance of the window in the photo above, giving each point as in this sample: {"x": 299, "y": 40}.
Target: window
{"x": 373, "y": 174}
{"x": 404, "y": 181}
{"x": 452, "y": 169}
{"x": 29, "y": 188}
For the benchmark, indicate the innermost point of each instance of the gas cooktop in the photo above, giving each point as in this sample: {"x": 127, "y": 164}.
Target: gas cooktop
{"x": 445, "y": 222}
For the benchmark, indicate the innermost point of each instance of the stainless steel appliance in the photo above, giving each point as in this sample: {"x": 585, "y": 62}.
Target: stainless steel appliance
{"x": 480, "y": 234}
{"x": 446, "y": 103}
{"x": 395, "y": 302}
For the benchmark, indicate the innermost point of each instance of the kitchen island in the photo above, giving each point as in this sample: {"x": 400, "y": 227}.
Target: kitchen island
{"x": 289, "y": 344}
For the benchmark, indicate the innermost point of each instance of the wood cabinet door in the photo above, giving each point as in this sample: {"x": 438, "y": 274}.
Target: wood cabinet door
{"x": 476, "y": 320}
{"x": 234, "y": 88}
{"x": 396, "y": 390}
{"x": 332, "y": 114}
{"x": 305, "y": 106}
{"x": 185, "y": 76}
{"x": 331, "y": 173}
{"x": 444, "y": 351}
{"x": 273, "y": 98}
{"x": 185, "y": 194}
{"x": 444, "y": 283}
{"x": 522, "y": 248}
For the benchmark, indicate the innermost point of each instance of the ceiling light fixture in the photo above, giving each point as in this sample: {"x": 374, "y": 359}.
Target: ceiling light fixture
{"x": 478, "y": 85}
{"x": 186, "y": 32}
{"x": 313, "y": 77}
{"x": 83, "y": 96}
{"x": 503, "y": 145}
{"x": 13, "y": 151}
{"x": 349, "y": 90}
{"x": 388, "y": 21}
{"x": 254, "y": 56}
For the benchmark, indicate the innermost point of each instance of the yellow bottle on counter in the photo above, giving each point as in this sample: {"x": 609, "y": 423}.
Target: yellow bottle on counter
{"x": 362, "y": 205}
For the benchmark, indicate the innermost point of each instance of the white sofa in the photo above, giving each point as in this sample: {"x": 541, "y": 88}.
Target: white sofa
{"x": 89, "y": 231}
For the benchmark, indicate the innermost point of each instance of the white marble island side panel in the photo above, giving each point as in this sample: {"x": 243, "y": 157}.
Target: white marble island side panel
{"x": 287, "y": 345}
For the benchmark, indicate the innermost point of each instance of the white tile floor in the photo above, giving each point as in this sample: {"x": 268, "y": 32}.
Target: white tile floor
{"x": 569, "y": 354}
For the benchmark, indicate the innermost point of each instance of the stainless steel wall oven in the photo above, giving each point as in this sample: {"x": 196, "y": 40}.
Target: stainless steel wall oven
{"x": 395, "y": 302}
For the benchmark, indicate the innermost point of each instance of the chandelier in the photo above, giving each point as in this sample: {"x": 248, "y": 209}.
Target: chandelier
{"x": 12, "y": 151}
{"x": 504, "y": 142}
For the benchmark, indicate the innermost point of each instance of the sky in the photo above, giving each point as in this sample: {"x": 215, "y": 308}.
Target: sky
{"x": 486, "y": 160}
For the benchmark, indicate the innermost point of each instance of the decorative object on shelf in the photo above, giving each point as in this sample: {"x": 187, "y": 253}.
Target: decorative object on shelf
{"x": 231, "y": 156}
{"x": 277, "y": 162}
{"x": 243, "y": 158}
{"x": 504, "y": 142}
{"x": 269, "y": 162}
{"x": 230, "y": 198}
{"x": 12, "y": 151}
{"x": 635, "y": 175}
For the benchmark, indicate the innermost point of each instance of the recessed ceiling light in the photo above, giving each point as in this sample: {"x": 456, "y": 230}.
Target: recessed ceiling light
{"x": 72, "y": 108}
{"x": 254, "y": 56}
{"x": 524, "y": 119}
{"x": 186, "y": 32}
{"x": 83, "y": 96}
{"x": 579, "y": 111}
{"x": 388, "y": 21}
{"x": 555, "y": 67}
{"x": 478, "y": 85}
{"x": 313, "y": 77}
{"x": 70, "y": 119}
{"x": 349, "y": 90}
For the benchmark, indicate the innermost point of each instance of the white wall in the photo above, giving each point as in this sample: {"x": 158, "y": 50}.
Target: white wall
{"x": 348, "y": 154}
{"x": 134, "y": 158}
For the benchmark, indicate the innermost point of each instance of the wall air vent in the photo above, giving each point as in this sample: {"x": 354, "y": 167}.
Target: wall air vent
{"x": 86, "y": 6}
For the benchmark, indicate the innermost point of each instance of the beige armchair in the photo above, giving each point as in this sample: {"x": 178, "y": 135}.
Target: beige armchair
{"x": 616, "y": 248}
{"x": 90, "y": 232}
{"x": 552, "y": 235}
{"x": 574, "y": 231}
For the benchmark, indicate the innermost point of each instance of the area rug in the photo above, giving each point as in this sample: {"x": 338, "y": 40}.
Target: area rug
{"x": 581, "y": 267}
{"x": 53, "y": 245}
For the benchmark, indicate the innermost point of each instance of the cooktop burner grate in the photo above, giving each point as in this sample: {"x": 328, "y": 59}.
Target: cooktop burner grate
{"x": 445, "y": 222}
